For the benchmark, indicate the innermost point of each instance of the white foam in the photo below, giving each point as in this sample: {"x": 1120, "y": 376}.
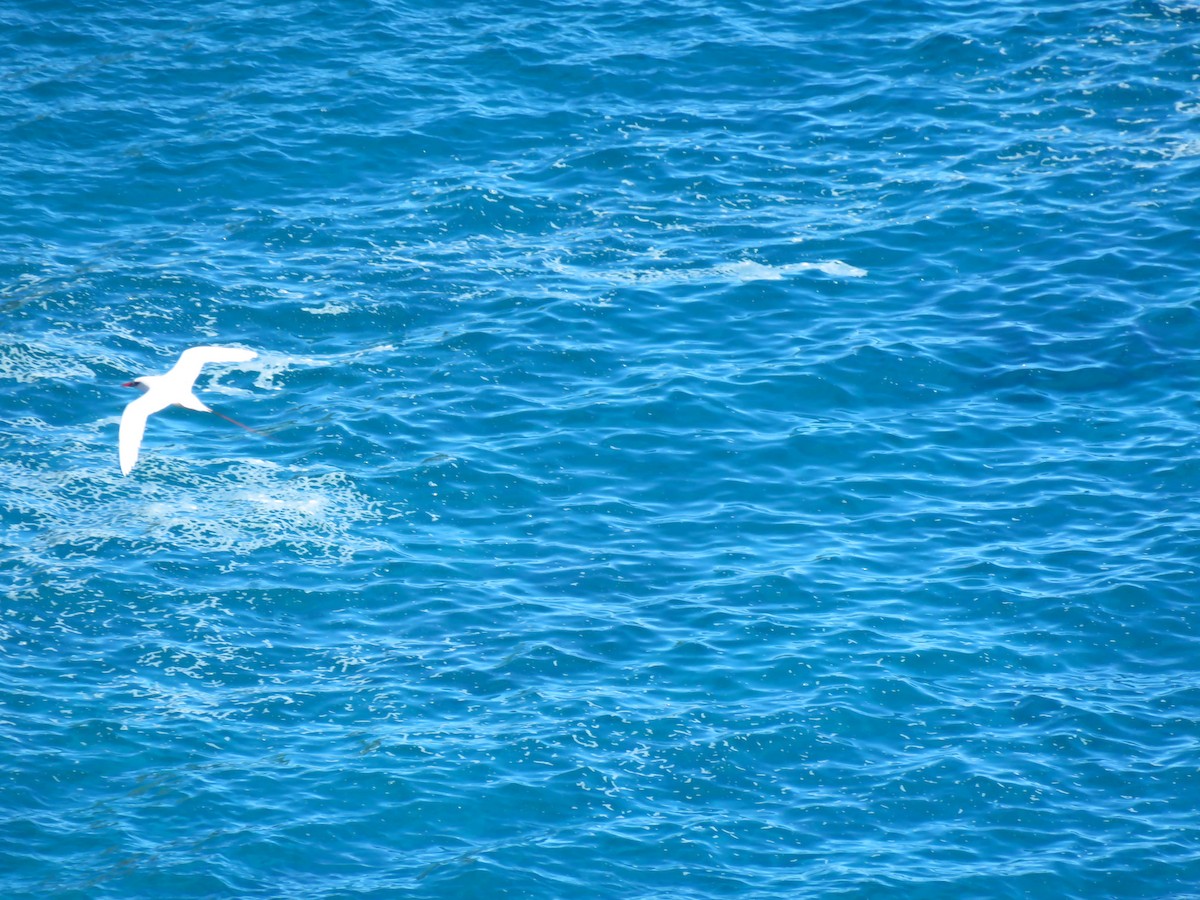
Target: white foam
{"x": 25, "y": 362}
{"x": 329, "y": 309}
{"x": 272, "y": 364}
{"x": 839, "y": 269}
{"x": 742, "y": 270}
{"x": 237, "y": 511}
{"x": 748, "y": 270}
{"x": 255, "y": 504}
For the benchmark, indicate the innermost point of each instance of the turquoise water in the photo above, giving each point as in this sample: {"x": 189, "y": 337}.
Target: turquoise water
{"x": 709, "y": 450}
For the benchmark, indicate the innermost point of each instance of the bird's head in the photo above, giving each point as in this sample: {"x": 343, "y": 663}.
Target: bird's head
{"x": 142, "y": 383}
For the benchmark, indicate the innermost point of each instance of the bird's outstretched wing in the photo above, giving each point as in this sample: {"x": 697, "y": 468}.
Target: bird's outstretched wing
{"x": 192, "y": 359}
{"x": 133, "y": 426}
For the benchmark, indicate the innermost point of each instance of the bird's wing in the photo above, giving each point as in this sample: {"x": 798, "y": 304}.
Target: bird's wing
{"x": 190, "y": 361}
{"x": 133, "y": 426}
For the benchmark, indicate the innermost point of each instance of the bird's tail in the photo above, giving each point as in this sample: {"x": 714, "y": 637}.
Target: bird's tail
{"x": 236, "y": 422}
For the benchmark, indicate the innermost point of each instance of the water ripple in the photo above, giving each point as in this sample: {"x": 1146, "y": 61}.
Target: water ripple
{"x": 707, "y": 450}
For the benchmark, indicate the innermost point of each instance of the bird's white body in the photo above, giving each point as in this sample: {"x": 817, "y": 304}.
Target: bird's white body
{"x": 172, "y": 388}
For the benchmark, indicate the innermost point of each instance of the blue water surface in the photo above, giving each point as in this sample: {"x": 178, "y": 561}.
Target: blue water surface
{"x": 707, "y": 449}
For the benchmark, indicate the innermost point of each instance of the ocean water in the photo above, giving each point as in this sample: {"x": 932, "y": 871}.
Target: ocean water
{"x": 706, "y": 450}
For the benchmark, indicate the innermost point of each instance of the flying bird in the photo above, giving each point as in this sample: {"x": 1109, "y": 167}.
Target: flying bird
{"x": 172, "y": 388}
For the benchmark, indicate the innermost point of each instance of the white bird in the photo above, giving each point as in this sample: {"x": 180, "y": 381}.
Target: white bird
{"x": 172, "y": 388}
